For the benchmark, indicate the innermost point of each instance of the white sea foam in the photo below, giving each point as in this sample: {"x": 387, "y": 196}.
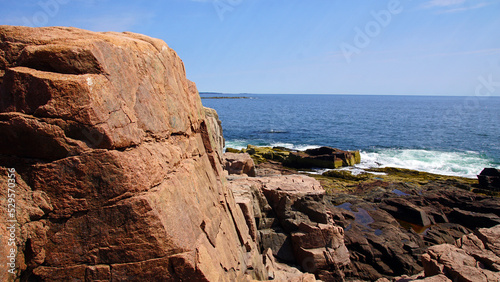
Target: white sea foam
{"x": 236, "y": 144}
{"x": 465, "y": 164}
{"x": 240, "y": 144}
{"x": 300, "y": 147}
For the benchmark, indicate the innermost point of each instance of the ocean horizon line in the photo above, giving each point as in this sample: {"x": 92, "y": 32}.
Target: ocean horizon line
{"x": 341, "y": 94}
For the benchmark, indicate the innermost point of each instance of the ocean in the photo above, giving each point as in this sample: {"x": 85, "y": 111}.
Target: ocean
{"x": 456, "y": 136}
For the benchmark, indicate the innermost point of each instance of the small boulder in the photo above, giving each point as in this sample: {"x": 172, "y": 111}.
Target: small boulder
{"x": 262, "y": 154}
{"x": 323, "y": 157}
{"x": 489, "y": 179}
{"x": 239, "y": 164}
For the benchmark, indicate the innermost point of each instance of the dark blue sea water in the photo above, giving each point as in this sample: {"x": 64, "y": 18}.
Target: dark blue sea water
{"x": 445, "y": 135}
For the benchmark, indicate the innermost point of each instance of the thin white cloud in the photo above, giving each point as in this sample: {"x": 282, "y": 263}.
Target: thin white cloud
{"x": 462, "y": 9}
{"x": 462, "y": 53}
{"x": 454, "y": 6}
{"x": 442, "y": 3}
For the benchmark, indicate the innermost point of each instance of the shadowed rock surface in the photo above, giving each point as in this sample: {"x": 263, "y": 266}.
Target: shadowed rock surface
{"x": 389, "y": 225}
{"x": 489, "y": 179}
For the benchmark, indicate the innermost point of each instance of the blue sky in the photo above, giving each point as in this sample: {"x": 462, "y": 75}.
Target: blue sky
{"x": 431, "y": 47}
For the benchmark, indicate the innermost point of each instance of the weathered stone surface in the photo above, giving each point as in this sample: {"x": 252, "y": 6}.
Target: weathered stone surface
{"x": 239, "y": 164}
{"x": 417, "y": 278}
{"x": 118, "y": 165}
{"x": 490, "y": 238}
{"x": 279, "y": 243}
{"x": 294, "y": 224}
{"x": 471, "y": 259}
{"x": 435, "y": 278}
{"x": 111, "y": 95}
{"x": 215, "y": 130}
{"x": 348, "y": 157}
{"x": 345, "y": 175}
{"x": 383, "y": 221}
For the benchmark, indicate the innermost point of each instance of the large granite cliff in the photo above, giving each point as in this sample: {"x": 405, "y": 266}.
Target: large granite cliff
{"x": 118, "y": 165}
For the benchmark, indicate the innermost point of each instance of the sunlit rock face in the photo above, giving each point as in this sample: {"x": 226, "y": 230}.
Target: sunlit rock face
{"x": 118, "y": 168}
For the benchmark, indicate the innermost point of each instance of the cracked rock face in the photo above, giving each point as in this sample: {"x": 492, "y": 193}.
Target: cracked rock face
{"x": 118, "y": 168}
{"x": 288, "y": 218}
{"x": 121, "y": 88}
{"x": 474, "y": 257}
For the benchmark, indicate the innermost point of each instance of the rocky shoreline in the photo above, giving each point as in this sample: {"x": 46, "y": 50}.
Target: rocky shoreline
{"x": 120, "y": 175}
{"x": 393, "y": 221}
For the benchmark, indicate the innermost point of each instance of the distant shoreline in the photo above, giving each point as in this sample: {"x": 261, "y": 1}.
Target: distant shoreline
{"x": 225, "y": 97}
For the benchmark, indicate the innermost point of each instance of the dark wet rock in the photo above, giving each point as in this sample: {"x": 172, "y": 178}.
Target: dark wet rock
{"x": 444, "y": 233}
{"x": 489, "y": 179}
{"x": 402, "y": 209}
{"x": 378, "y": 246}
{"x": 324, "y": 157}
{"x": 474, "y": 219}
{"x": 388, "y": 225}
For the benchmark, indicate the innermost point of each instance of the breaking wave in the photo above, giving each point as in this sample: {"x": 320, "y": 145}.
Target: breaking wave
{"x": 464, "y": 164}
{"x": 240, "y": 144}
